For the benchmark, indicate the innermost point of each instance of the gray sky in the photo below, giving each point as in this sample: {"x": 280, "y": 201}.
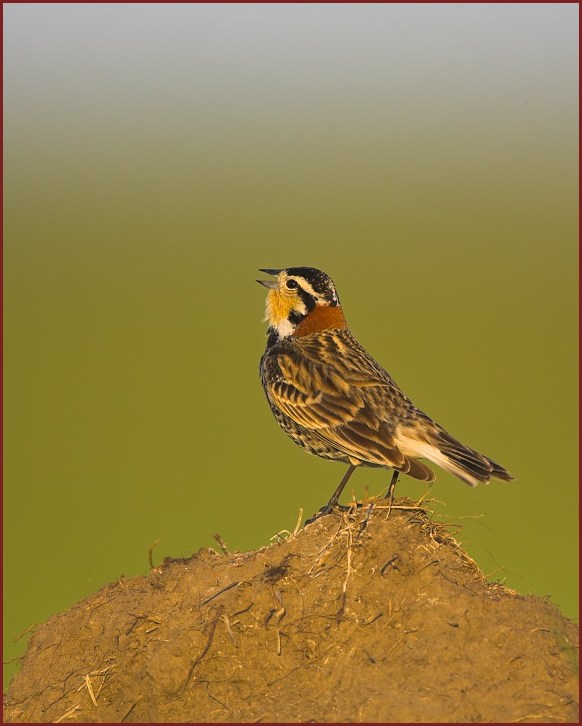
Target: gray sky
{"x": 280, "y": 54}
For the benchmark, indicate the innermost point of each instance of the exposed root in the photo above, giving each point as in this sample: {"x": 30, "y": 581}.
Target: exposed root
{"x": 205, "y": 650}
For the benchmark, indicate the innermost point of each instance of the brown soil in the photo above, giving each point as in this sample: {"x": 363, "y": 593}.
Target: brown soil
{"x": 359, "y": 617}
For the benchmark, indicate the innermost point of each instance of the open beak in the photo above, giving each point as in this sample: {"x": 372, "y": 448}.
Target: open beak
{"x": 271, "y": 284}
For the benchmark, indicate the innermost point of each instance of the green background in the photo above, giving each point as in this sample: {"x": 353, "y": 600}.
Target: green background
{"x": 425, "y": 156}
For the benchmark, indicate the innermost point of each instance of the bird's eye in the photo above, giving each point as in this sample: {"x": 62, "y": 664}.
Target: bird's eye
{"x": 291, "y": 284}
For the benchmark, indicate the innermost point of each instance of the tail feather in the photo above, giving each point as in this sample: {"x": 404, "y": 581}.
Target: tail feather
{"x": 460, "y": 457}
{"x": 450, "y": 454}
{"x": 498, "y": 471}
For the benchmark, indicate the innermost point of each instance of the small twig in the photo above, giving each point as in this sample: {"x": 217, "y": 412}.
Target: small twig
{"x": 206, "y": 648}
{"x": 364, "y": 523}
{"x": 90, "y": 689}
{"x": 244, "y": 610}
{"x": 226, "y": 708}
{"x": 428, "y": 564}
{"x": 270, "y": 683}
{"x": 278, "y": 534}
{"x": 24, "y": 632}
{"x": 102, "y": 682}
{"x": 130, "y": 710}
{"x": 103, "y": 671}
{"x": 88, "y": 685}
{"x": 322, "y": 551}
{"x": 151, "y": 554}
{"x": 353, "y": 505}
{"x": 219, "y": 592}
{"x": 490, "y": 574}
{"x": 229, "y": 629}
{"x": 391, "y": 563}
{"x": 301, "y": 665}
{"x": 299, "y": 518}
{"x": 402, "y": 507}
{"x": 221, "y": 544}
{"x": 373, "y": 619}
{"x": 279, "y": 614}
{"x": 425, "y": 495}
{"x": 68, "y": 714}
{"x": 348, "y": 573}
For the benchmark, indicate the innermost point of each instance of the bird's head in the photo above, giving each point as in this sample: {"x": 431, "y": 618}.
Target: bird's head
{"x": 301, "y": 300}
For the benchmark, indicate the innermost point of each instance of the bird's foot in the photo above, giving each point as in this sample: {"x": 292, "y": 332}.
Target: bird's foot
{"x": 328, "y": 509}
{"x": 321, "y": 513}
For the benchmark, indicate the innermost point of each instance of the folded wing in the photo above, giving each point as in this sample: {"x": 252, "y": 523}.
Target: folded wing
{"x": 350, "y": 411}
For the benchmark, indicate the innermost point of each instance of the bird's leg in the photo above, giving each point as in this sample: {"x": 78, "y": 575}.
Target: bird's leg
{"x": 393, "y": 483}
{"x": 391, "y": 488}
{"x": 334, "y": 497}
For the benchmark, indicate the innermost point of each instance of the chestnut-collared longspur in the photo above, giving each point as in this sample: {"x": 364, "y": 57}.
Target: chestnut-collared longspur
{"x": 333, "y": 399}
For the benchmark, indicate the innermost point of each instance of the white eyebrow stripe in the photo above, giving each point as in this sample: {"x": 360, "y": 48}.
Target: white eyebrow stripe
{"x": 302, "y": 282}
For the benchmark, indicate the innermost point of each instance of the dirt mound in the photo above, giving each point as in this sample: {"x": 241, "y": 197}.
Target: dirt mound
{"x": 360, "y": 617}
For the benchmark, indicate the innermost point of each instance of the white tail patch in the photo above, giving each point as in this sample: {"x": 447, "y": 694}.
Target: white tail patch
{"x": 409, "y": 445}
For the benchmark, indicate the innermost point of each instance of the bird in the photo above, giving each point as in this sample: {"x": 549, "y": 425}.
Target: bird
{"x": 332, "y": 398}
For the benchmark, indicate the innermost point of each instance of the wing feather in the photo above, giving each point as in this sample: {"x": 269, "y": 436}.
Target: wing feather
{"x": 344, "y": 404}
